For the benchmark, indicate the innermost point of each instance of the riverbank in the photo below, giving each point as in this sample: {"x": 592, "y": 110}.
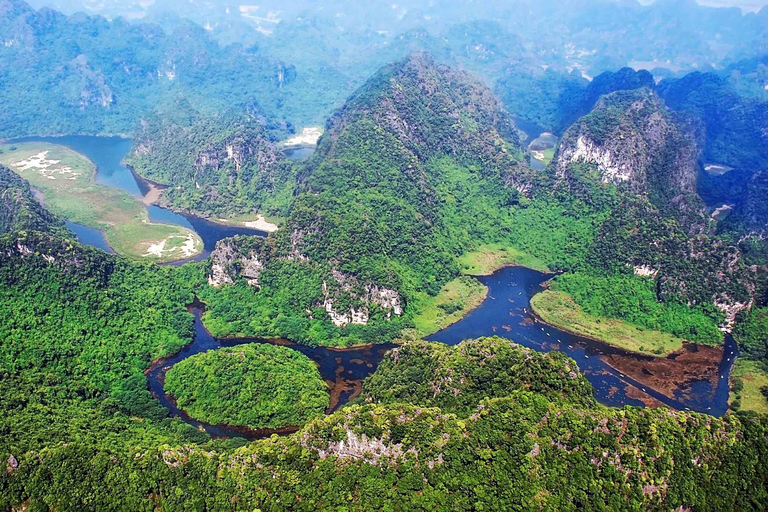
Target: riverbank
{"x": 560, "y": 310}
{"x": 456, "y": 299}
{"x": 67, "y": 179}
{"x": 748, "y": 379}
{"x": 487, "y": 259}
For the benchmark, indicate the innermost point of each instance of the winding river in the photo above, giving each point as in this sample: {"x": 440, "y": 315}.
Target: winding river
{"x": 342, "y": 369}
{"x": 695, "y": 378}
{"x": 107, "y": 153}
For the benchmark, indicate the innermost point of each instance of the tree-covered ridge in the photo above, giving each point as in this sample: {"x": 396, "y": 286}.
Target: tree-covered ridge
{"x": 83, "y": 433}
{"x": 83, "y": 74}
{"x": 223, "y": 164}
{"x": 19, "y": 211}
{"x": 433, "y": 110}
{"x": 520, "y": 452}
{"x": 255, "y": 385}
{"x": 456, "y": 378}
{"x": 78, "y": 329}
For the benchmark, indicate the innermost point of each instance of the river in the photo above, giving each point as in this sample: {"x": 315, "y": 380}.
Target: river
{"x": 107, "y": 153}
{"x": 695, "y": 379}
{"x": 342, "y": 369}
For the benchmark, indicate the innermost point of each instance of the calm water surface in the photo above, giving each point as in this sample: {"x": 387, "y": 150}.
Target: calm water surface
{"x": 506, "y": 312}
{"x": 107, "y": 153}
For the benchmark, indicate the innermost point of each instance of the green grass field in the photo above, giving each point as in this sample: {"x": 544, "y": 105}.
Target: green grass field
{"x": 455, "y": 300}
{"x": 487, "y": 259}
{"x": 66, "y": 179}
{"x": 752, "y": 376}
{"x": 560, "y": 310}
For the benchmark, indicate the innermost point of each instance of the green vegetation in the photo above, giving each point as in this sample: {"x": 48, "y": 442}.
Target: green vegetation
{"x": 752, "y": 332}
{"x": 78, "y": 329}
{"x": 488, "y": 258}
{"x": 457, "y": 378}
{"x": 66, "y": 179}
{"x": 256, "y": 386}
{"x": 222, "y": 165}
{"x": 455, "y": 299}
{"x": 749, "y": 386}
{"x": 633, "y": 299}
{"x": 559, "y": 309}
{"x": 19, "y": 211}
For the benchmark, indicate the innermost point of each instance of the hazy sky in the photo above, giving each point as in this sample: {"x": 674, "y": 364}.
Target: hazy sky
{"x": 747, "y": 5}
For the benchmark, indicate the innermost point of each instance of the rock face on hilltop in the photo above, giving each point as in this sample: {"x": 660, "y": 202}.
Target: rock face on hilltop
{"x": 217, "y": 165}
{"x": 635, "y": 143}
{"x": 236, "y": 258}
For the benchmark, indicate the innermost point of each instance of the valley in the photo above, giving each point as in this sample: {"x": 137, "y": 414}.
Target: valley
{"x": 67, "y": 181}
{"x": 424, "y": 256}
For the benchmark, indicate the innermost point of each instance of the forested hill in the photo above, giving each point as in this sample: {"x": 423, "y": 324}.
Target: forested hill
{"x": 220, "y": 164}
{"x": 19, "y": 211}
{"x": 420, "y": 153}
{"x": 80, "y": 74}
{"x": 640, "y": 146}
{"x": 420, "y": 164}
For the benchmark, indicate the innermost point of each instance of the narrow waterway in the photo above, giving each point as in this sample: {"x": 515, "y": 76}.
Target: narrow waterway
{"x": 107, "y": 153}
{"x": 342, "y": 369}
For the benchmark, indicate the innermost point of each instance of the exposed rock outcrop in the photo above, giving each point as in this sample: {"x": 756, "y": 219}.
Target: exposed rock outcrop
{"x": 235, "y": 258}
{"x": 635, "y": 144}
{"x": 357, "y": 300}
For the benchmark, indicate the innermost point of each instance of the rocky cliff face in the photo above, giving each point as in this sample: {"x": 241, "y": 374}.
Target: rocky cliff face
{"x": 347, "y": 301}
{"x": 635, "y": 143}
{"x": 236, "y": 258}
{"x": 344, "y": 298}
{"x": 214, "y": 165}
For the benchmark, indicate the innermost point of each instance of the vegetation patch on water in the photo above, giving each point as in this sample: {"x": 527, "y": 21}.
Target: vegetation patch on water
{"x": 488, "y": 258}
{"x": 749, "y": 381}
{"x": 254, "y": 385}
{"x": 66, "y": 180}
{"x": 456, "y": 299}
{"x": 561, "y": 310}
